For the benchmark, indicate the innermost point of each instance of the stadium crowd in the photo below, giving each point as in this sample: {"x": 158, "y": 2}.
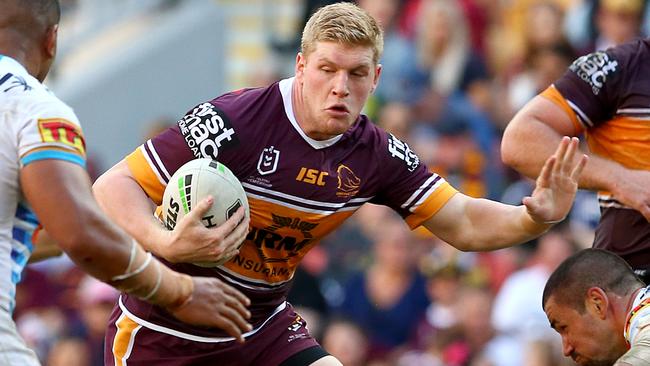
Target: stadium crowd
{"x": 373, "y": 292}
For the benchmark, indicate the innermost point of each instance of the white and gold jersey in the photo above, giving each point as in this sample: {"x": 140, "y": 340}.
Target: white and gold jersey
{"x": 35, "y": 125}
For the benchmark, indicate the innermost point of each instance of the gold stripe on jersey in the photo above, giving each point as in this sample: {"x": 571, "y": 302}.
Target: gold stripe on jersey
{"x": 623, "y": 139}
{"x": 431, "y": 205}
{"x": 278, "y": 240}
{"x": 124, "y": 338}
{"x": 554, "y": 95}
{"x": 145, "y": 176}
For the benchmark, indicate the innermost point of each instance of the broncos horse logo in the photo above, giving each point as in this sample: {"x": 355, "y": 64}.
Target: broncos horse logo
{"x": 349, "y": 183}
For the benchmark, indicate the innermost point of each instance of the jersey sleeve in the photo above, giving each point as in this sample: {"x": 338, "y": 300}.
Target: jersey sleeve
{"x": 589, "y": 89}
{"x": 52, "y": 132}
{"x": 408, "y": 186}
{"x": 204, "y": 132}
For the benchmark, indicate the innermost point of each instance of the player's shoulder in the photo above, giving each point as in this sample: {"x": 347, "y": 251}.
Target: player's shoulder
{"x": 25, "y": 95}
{"x": 390, "y": 149}
{"x": 249, "y": 100}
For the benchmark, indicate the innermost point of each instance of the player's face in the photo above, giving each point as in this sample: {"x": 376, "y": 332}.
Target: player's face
{"x": 587, "y": 339}
{"x": 334, "y": 82}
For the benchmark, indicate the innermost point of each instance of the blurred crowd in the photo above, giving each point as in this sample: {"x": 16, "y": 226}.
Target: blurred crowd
{"x": 374, "y": 292}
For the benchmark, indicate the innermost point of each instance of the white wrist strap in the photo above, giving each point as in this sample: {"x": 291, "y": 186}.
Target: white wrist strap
{"x": 136, "y": 272}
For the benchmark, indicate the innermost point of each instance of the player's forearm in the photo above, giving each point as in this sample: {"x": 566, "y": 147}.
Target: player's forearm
{"x": 131, "y": 208}
{"x": 493, "y": 225}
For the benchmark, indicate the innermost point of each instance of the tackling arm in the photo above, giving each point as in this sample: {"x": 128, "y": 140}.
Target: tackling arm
{"x": 66, "y": 208}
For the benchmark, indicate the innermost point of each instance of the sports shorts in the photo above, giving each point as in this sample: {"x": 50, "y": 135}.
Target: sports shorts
{"x": 283, "y": 340}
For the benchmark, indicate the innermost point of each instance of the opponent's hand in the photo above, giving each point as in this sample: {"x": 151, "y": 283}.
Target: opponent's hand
{"x": 216, "y": 304}
{"x": 633, "y": 190}
{"x": 191, "y": 241}
{"x": 557, "y": 184}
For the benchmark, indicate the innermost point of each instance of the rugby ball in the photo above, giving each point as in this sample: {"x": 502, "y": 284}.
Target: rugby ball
{"x": 193, "y": 182}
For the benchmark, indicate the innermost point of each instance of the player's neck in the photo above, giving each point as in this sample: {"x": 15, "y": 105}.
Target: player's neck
{"x": 19, "y": 51}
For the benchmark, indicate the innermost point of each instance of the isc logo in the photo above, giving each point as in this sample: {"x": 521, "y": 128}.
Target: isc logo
{"x": 312, "y": 176}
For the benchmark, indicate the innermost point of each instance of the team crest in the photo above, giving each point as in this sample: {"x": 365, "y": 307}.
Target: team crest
{"x": 268, "y": 162}
{"x": 348, "y": 182}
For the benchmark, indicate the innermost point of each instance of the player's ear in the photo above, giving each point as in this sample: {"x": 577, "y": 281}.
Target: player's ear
{"x": 597, "y": 302}
{"x": 50, "y": 40}
{"x": 300, "y": 65}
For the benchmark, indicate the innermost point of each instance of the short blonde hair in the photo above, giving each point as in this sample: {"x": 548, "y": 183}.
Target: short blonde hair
{"x": 344, "y": 23}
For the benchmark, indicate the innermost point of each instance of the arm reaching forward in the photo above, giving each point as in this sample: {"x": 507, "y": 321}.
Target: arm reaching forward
{"x": 471, "y": 224}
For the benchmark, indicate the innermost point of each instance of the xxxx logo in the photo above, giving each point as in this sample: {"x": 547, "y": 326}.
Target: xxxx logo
{"x": 62, "y": 131}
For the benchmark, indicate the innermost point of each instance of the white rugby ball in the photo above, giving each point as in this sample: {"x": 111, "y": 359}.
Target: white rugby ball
{"x": 193, "y": 182}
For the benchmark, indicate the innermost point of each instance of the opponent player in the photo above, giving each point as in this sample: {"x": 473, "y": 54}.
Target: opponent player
{"x": 42, "y": 159}
{"x": 307, "y": 159}
{"x": 603, "y": 316}
{"x": 606, "y": 96}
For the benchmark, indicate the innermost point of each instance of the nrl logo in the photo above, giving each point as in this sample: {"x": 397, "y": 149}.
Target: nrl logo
{"x": 268, "y": 162}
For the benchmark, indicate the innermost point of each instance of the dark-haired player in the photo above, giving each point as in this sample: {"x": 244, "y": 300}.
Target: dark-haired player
{"x": 43, "y": 181}
{"x": 601, "y": 309}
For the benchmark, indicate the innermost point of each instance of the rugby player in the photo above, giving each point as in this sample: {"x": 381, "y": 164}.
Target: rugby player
{"x": 605, "y": 96}
{"x": 43, "y": 181}
{"x": 601, "y": 309}
{"x": 307, "y": 159}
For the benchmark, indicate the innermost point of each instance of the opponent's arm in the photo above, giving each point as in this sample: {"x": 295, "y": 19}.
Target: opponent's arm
{"x": 61, "y": 196}
{"x": 472, "y": 224}
{"x": 530, "y": 137}
{"x": 122, "y": 198}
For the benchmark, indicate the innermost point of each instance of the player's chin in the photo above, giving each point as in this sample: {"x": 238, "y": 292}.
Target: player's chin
{"x": 338, "y": 126}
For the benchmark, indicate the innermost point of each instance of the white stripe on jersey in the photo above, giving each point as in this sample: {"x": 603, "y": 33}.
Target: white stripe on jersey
{"x": 151, "y": 165}
{"x": 426, "y": 195}
{"x": 160, "y": 164}
{"x": 419, "y": 190}
{"x": 583, "y": 117}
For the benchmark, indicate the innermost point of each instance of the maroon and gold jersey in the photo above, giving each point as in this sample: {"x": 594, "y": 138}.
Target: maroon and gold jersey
{"x": 607, "y": 96}
{"x": 299, "y": 189}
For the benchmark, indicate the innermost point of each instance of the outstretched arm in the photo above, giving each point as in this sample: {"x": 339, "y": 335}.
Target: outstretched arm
{"x": 531, "y": 136}
{"x": 471, "y": 224}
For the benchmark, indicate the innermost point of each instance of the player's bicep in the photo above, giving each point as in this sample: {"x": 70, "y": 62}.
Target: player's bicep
{"x": 542, "y": 111}
{"x": 59, "y": 193}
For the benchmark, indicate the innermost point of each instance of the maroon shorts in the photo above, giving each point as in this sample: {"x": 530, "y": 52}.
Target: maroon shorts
{"x": 283, "y": 337}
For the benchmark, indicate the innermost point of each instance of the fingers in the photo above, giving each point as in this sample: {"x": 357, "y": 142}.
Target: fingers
{"x": 233, "y": 221}
{"x": 577, "y": 170}
{"x": 202, "y": 208}
{"x": 561, "y": 153}
{"x": 544, "y": 179}
{"x": 232, "y": 329}
{"x": 241, "y": 298}
{"x": 569, "y": 157}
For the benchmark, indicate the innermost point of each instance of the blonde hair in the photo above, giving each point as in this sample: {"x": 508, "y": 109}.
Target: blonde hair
{"x": 344, "y": 23}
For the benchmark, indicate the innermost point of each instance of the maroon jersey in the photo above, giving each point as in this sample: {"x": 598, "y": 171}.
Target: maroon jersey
{"x": 299, "y": 189}
{"x": 607, "y": 95}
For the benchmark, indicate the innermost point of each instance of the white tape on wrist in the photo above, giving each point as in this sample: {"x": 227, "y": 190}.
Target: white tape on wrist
{"x": 136, "y": 272}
